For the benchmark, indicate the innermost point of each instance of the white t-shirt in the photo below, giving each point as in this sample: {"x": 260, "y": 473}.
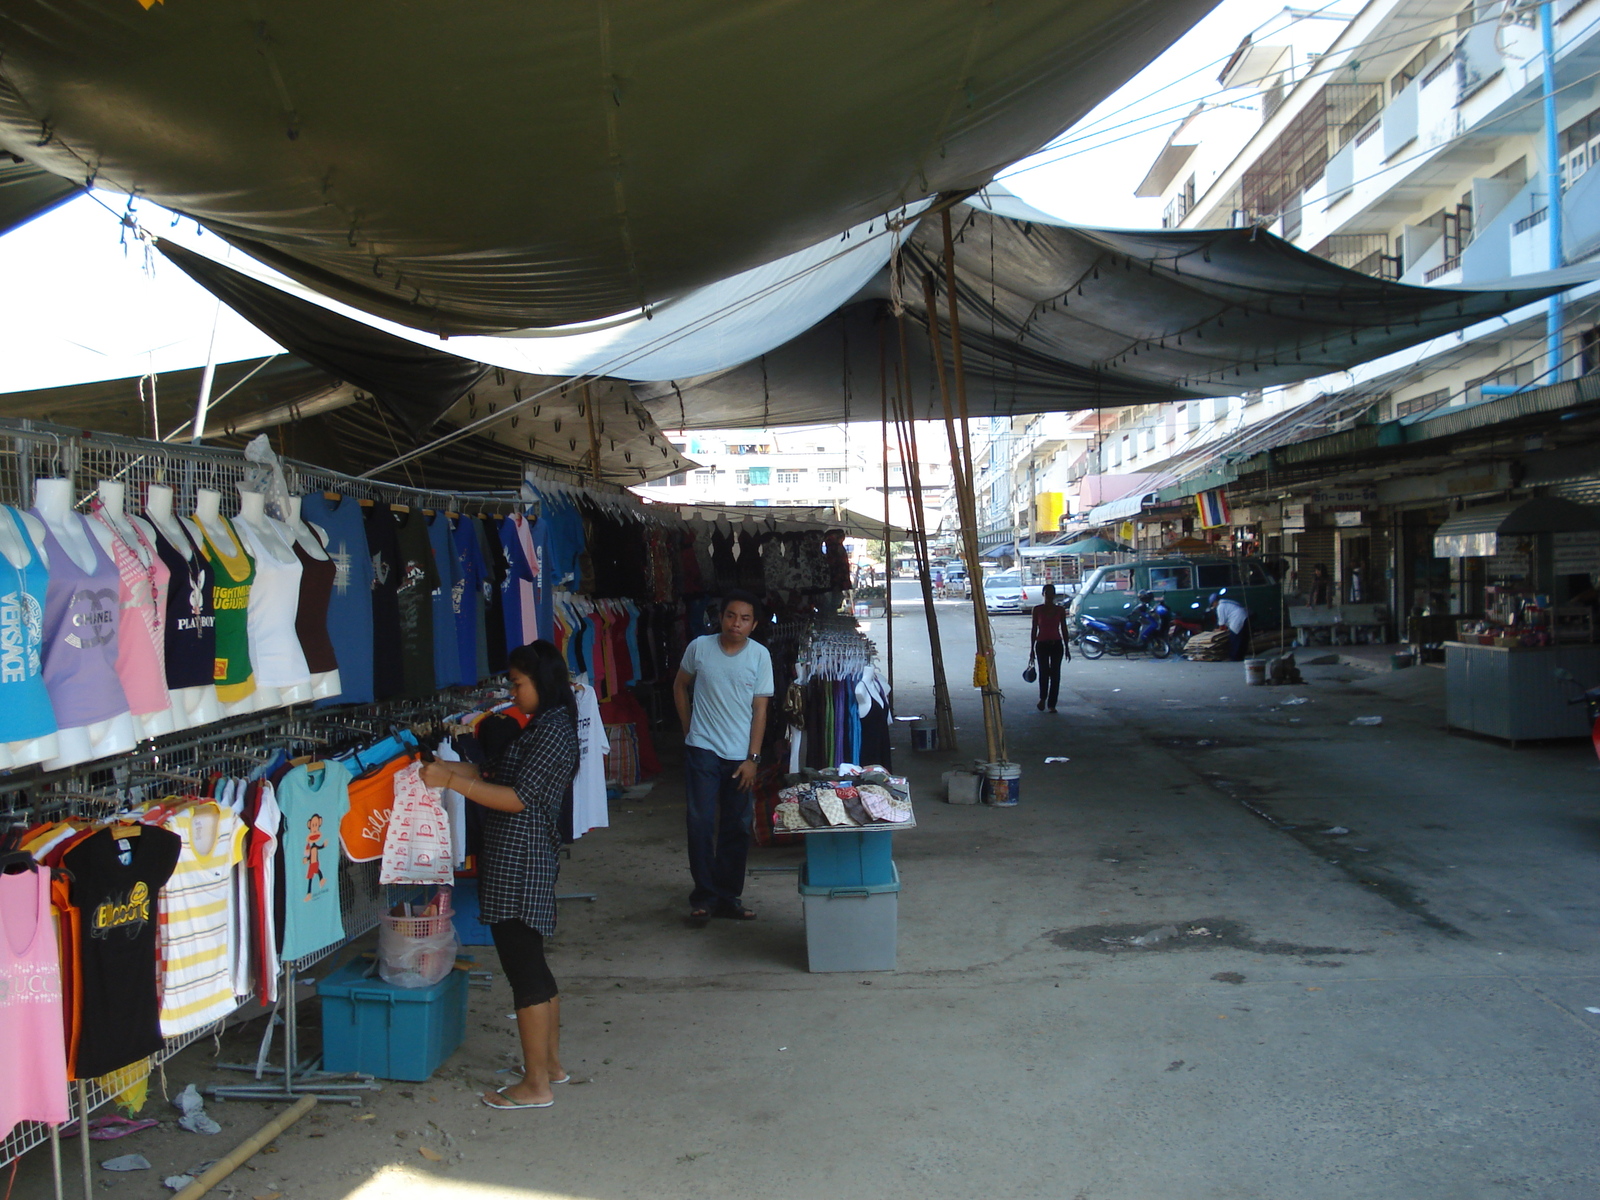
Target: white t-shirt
{"x": 1232, "y": 614}
{"x": 724, "y": 686}
{"x": 589, "y": 809}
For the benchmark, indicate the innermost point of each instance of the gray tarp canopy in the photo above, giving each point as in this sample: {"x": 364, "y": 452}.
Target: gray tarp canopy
{"x": 1057, "y": 317}
{"x": 502, "y": 165}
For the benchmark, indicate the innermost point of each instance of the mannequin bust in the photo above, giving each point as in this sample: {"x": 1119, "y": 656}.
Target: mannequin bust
{"x": 273, "y": 539}
{"x": 18, "y": 554}
{"x": 219, "y": 530}
{"x": 53, "y": 500}
{"x": 139, "y": 538}
{"x": 196, "y": 705}
{"x": 313, "y": 541}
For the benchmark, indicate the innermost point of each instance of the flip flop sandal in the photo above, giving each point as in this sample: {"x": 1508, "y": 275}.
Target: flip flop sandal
{"x": 520, "y": 1070}
{"x": 501, "y": 1092}
{"x": 106, "y": 1129}
{"x": 738, "y": 913}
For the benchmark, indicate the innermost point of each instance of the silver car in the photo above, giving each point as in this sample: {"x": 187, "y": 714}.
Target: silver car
{"x": 1005, "y": 591}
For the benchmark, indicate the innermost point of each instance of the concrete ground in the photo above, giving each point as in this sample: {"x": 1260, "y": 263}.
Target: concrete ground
{"x": 1368, "y": 970}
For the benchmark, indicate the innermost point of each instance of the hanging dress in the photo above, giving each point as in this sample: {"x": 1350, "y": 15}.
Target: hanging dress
{"x": 80, "y": 635}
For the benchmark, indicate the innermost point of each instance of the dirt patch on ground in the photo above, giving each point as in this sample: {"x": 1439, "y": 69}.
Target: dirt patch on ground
{"x": 1203, "y": 933}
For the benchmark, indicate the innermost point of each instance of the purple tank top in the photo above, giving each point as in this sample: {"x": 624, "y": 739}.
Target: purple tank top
{"x": 80, "y": 635}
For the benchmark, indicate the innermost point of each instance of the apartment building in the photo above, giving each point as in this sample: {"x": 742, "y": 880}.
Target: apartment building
{"x": 803, "y": 466}
{"x": 1413, "y": 148}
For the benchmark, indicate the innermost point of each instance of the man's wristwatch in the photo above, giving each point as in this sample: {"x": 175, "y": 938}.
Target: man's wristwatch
{"x": 755, "y": 758}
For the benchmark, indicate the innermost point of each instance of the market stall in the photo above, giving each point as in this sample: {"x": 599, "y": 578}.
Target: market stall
{"x": 1533, "y": 564}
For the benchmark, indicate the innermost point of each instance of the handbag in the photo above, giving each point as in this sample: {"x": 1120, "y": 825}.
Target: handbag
{"x": 1030, "y": 673}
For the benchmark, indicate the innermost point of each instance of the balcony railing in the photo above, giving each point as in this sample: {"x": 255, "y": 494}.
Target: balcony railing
{"x": 1444, "y": 268}
{"x": 1531, "y": 221}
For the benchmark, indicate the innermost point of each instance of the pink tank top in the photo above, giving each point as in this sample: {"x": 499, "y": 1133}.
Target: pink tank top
{"x": 33, "y": 1043}
{"x": 141, "y": 632}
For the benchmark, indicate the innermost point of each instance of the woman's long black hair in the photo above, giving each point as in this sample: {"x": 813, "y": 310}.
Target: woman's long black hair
{"x": 547, "y": 667}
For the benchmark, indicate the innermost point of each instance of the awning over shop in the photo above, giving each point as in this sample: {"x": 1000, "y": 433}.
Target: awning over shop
{"x": 26, "y": 191}
{"x": 1117, "y": 510}
{"x": 503, "y": 165}
{"x": 1091, "y": 545}
{"x": 1476, "y": 532}
{"x": 820, "y": 518}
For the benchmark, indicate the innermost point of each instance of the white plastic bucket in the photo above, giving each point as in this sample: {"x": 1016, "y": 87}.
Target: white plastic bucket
{"x": 1002, "y": 784}
{"x": 1255, "y": 671}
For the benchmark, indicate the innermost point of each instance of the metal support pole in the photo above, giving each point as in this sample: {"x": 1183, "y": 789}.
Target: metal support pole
{"x": 83, "y": 1139}
{"x": 202, "y": 403}
{"x": 888, "y": 562}
{"x": 1555, "y": 316}
{"x": 55, "y": 1159}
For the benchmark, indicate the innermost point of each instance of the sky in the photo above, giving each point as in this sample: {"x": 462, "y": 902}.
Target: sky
{"x": 84, "y": 301}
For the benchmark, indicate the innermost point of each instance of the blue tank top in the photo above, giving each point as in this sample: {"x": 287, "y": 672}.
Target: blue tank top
{"x": 25, "y": 709}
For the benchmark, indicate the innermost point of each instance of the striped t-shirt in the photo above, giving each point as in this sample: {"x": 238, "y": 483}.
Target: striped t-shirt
{"x": 195, "y": 947}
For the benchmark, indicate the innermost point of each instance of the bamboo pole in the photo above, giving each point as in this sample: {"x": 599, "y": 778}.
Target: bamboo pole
{"x": 943, "y": 712}
{"x": 594, "y": 438}
{"x": 227, "y": 1166}
{"x": 994, "y": 718}
{"x": 967, "y": 504}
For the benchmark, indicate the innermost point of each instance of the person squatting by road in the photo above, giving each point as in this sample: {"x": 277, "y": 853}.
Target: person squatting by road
{"x": 721, "y": 691}
{"x": 518, "y": 866}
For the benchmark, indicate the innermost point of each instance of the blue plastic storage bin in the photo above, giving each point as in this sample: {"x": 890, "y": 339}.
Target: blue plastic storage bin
{"x": 394, "y": 1033}
{"x": 852, "y": 858}
{"x": 851, "y": 928}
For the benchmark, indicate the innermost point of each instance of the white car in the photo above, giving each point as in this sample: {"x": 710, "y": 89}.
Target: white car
{"x": 1004, "y": 591}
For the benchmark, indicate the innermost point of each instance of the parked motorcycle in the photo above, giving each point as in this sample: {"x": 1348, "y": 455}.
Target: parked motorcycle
{"x": 1589, "y": 696}
{"x": 1144, "y": 629}
{"x": 1181, "y": 629}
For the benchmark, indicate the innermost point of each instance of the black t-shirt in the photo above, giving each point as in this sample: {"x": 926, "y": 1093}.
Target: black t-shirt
{"x": 418, "y": 577}
{"x": 120, "y": 1010}
{"x": 383, "y": 540}
{"x": 494, "y": 608}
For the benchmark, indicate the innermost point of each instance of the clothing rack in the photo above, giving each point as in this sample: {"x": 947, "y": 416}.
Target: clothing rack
{"x": 101, "y": 788}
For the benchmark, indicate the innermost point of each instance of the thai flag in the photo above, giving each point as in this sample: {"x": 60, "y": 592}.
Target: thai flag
{"x": 1213, "y": 508}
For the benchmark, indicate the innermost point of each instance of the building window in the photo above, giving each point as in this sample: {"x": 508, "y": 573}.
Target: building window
{"x": 742, "y": 478}
{"x": 760, "y": 476}
{"x": 830, "y": 475}
{"x": 788, "y": 476}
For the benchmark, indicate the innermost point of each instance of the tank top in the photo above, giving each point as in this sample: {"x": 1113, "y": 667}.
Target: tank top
{"x": 232, "y": 577}
{"x": 80, "y": 635}
{"x": 25, "y": 710}
{"x": 275, "y": 653}
{"x": 317, "y": 576}
{"x": 140, "y": 638}
{"x": 189, "y": 638}
{"x": 31, "y": 1016}
{"x": 350, "y": 606}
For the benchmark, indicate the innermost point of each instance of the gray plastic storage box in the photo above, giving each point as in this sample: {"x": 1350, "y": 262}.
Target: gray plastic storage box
{"x": 851, "y": 928}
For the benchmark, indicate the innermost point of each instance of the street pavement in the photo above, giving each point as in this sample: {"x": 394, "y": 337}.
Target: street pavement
{"x": 1235, "y": 947}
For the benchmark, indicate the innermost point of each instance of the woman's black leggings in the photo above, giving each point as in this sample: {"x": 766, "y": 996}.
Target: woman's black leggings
{"x": 1050, "y": 655}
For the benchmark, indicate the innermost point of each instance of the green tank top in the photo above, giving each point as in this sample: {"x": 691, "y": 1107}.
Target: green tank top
{"x": 233, "y": 574}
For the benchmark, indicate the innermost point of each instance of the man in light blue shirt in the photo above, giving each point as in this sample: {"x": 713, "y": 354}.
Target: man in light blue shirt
{"x": 721, "y": 692}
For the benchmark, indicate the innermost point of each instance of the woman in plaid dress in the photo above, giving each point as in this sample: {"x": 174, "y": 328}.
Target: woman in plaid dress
{"x": 517, "y": 871}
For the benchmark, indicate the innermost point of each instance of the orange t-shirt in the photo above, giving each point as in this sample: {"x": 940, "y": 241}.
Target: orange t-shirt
{"x": 363, "y": 828}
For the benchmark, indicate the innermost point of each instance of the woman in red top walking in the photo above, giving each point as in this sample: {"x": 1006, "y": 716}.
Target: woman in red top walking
{"x": 1049, "y": 646}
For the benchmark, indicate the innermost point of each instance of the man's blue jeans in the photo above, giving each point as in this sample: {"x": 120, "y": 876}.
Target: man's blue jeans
{"x": 719, "y": 817}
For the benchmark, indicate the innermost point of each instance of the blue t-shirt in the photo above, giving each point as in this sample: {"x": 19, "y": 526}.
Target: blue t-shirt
{"x": 517, "y": 569}
{"x": 350, "y": 605}
{"x": 447, "y": 602}
{"x": 313, "y": 804}
{"x": 724, "y": 686}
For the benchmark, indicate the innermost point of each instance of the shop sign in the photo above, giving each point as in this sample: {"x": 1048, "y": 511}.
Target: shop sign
{"x": 1348, "y": 495}
{"x": 1577, "y": 553}
{"x": 1294, "y": 517}
{"x": 1350, "y": 519}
